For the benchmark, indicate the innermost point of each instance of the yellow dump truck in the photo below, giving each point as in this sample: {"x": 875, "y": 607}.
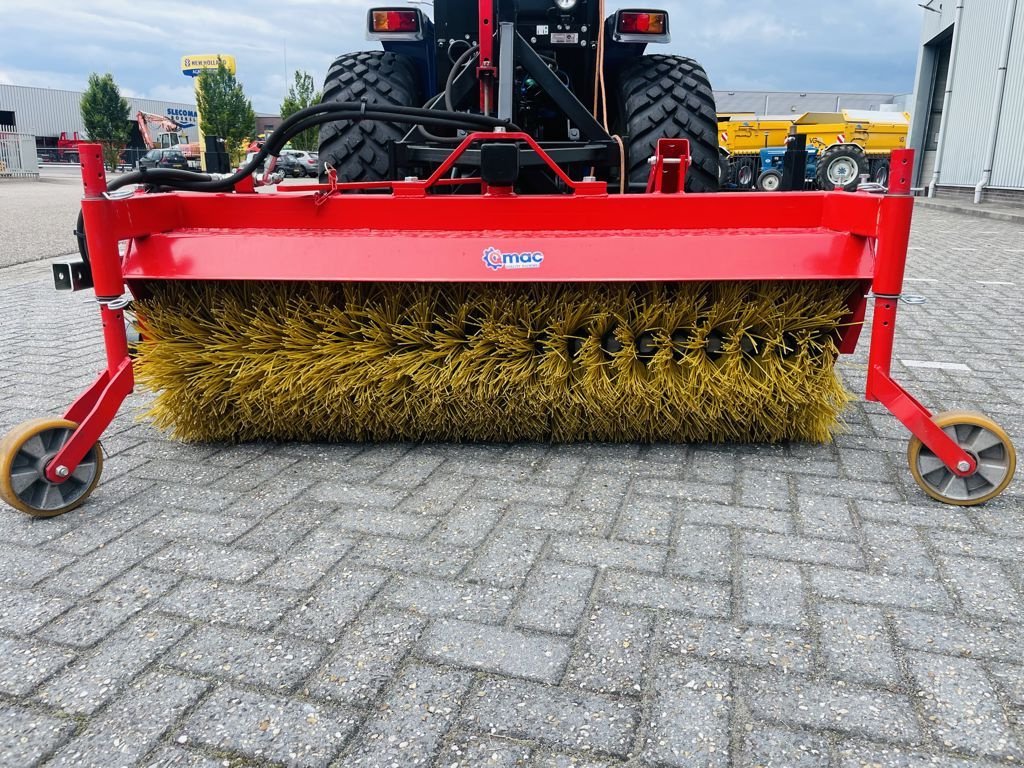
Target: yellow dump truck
{"x": 847, "y": 143}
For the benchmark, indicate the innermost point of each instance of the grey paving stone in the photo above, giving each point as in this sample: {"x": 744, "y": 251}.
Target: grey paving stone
{"x": 931, "y": 516}
{"x": 722, "y": 641}
{"x": 281, "y": 531}
{"x": 380, "y": 522}
{"x": 689, "y": 716}
{"x": 572, "y": 520}
{"x": 210, "y": 561}
{"x": 1010, "y": 678}
{"x": 27, "y": 736}
{"x": 176, "y": 495}
{"x": 177, "y": 523}
{"x": 825, "y": 517}
{"x": 770, "y": 490}
{"x": 513, "y": 493}
{"x": 607, "y": 553}
{"x": 872, "y": 490}
{"x": 983, "y": 588}
{"x": 411, "y": 470}
{"x": 685, "y": 490}
{"x": 507, "y": 558}
{"x": 308, "y": 561}
{"x": 22, "y": 611}
{"x": 897, "y": 550}
{"x": 956, "y": 636}
{"x": 274, "y": 662}
{"x": 771, "y": 593}
{"x": 100, "y": 566}
{"x": 24, "y": 566}
{"x": 610, "y": 657}
{"x": 366, "y": 657}
{"x": 93, "y": 680}
{"x": 469, "y": 523}
{"x": 554, "y": 598}
{"x": 961, "y": 706}
{"x": 800, "y": 549}
{"x": 701, "y": 552}
{"x": 838, "y": 706}
{"x": 769, "y": 520}
{"x": 269, "y": 728}
{"x": 432, "y": 597}
{"x": 646, "y": 520}
{"x": 133, "y": 723}
{"x": 337, "y": 600}
{"x": 543, "y": 758}
{"x": 977, "y": 545}
{"x": 855, "y": 754}
{"x": 855, "y": 644}
{"x": 92, "y": 620}
{"x": 411, "y": 721}
{"x": 771, "y": 747}
{"x": 239, "y": 604}
{"x": 437, "y": 496}
{"x": 495, "y": 649}
{"x": 25, "y": 663}
{"x": 177, "y": 757}
{"x": 646, "y": 591}
{"x": 356, "y": 496}
{"x": 436, "y": 560}
{"x": 470, "y": 750}
{"x": 894, "y": 591}
{"x": 552, "y": 716}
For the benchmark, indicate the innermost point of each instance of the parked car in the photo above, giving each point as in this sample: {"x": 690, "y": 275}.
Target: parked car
{"x": 291, "y": 165}
{"x": 164, "y": 158}
{"x": 309, "y": 160}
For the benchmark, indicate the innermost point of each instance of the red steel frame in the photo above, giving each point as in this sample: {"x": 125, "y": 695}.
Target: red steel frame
{"x": 321, "y": 232}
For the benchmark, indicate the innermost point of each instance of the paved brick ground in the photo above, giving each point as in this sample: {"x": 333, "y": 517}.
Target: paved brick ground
{"x": 318, "y": 605}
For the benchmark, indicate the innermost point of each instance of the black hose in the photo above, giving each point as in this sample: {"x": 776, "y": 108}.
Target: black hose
{"x": 327, "y": 112}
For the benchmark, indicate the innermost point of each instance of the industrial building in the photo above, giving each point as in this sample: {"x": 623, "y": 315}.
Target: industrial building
{"x": 46, "y": 113}
{"x": 797, "y": 103}
{"x": 968, "y": 104}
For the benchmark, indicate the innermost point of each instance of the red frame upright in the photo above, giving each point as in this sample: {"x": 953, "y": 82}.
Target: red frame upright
{"x": 324, "y": 232}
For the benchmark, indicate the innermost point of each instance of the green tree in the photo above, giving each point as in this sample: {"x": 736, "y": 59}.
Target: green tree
{"x": 301, "y": 94}
{"x": 223, "y": 109}
{"x": 107, "y": 117}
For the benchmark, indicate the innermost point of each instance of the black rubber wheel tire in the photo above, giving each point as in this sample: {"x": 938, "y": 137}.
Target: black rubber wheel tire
{"x": 761, "y": 184}
{"x": 746, "y": 173}
{"x": 358, "y": 151}
{"x": 880, "y": 172}
{"x": 843, "y": 153}
{"x": 668, "y": 97}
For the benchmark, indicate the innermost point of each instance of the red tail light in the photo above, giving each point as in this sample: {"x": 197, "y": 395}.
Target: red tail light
{"x": 641, "y": 26}
{"x": 395, "y": 23}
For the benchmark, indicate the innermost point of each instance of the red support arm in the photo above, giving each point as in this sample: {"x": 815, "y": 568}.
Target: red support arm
{"x": 890, "y": 262}
{"x": 97, "y": 406}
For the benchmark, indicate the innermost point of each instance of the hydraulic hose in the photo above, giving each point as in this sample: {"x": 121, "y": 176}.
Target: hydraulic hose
{"x": 194, "y": 181}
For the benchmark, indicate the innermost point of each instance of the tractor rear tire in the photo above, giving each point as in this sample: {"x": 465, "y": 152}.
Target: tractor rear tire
{"x": 668, "y": 97}
{"x": 841, "y": 166}
{"x": 358, "y": 151}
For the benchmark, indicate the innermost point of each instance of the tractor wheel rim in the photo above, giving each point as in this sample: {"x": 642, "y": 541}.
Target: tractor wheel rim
{"x": 28, "y": 472}
{"x": 984, "y": 446}
{"x": 770, "y": 183}
{"x": 842, "y": 171}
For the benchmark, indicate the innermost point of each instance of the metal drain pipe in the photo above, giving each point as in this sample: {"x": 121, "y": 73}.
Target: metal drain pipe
{"x": 954, "y": 47}
{"x": 997, "y": 111}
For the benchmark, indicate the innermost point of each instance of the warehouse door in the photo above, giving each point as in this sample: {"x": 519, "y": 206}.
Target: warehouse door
{"x": 941, "y": 50}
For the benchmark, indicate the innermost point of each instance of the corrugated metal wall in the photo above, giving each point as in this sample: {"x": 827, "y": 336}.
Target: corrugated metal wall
{"x": 969, "y": 111}
{"x": 47, "y": 112}
{"x": 1008, "y": 170}
{"x": 794, "y": 102}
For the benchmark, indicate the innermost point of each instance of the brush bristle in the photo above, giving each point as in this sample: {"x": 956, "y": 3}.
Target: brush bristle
{"x": 710, "y": 362}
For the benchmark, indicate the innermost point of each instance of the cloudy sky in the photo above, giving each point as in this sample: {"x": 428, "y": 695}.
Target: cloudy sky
{"x": 819, "y": 45}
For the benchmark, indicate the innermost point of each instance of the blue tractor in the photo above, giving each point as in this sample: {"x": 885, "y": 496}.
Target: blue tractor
{"x": 770, "y": 177}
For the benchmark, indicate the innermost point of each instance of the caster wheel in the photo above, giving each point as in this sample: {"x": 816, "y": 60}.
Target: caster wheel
{"x": 24, "y": 453}
{"x": 985, "y": 441}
